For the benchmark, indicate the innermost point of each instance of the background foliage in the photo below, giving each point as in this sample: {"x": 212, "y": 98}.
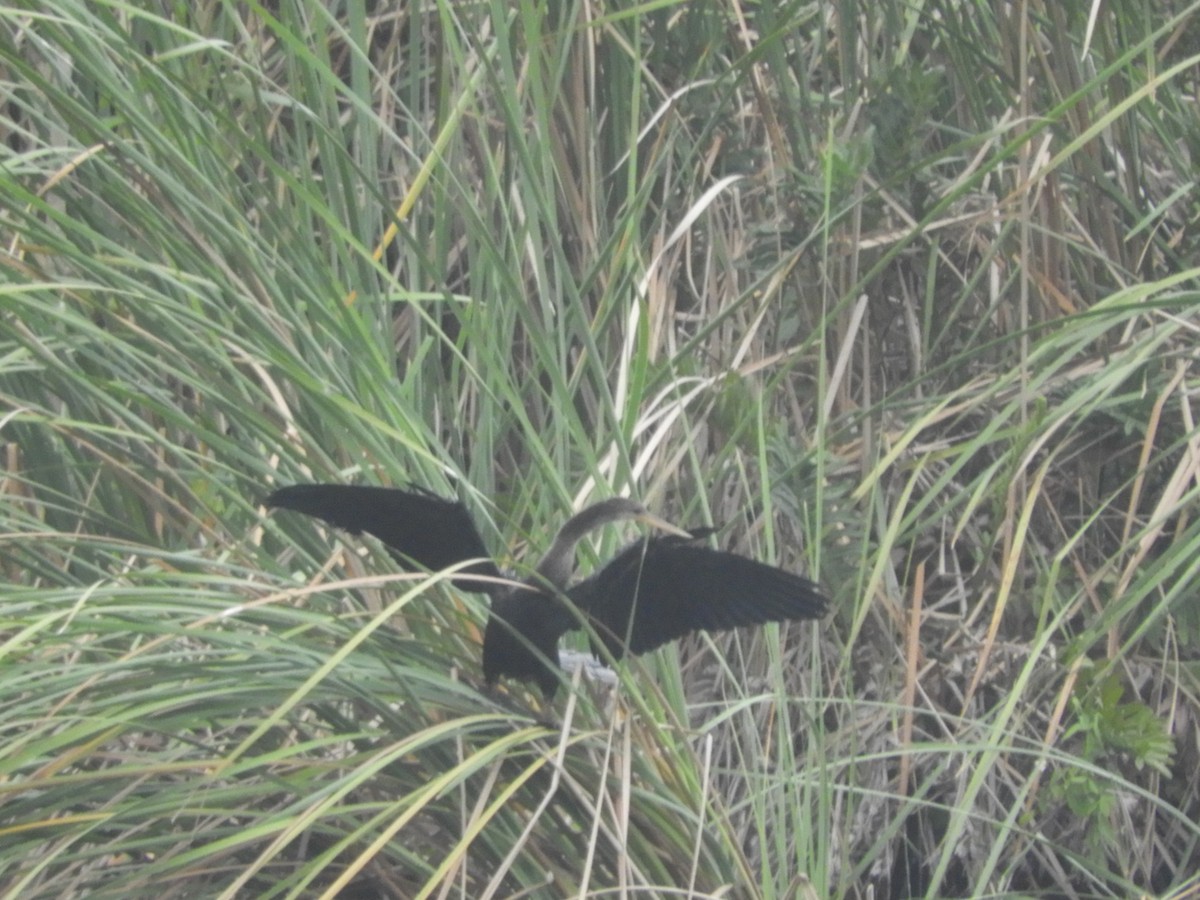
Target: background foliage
{"x": 902, "y": 295}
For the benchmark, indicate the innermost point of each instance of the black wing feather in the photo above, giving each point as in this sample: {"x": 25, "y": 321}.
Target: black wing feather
{"x": 670, "y": 587}
{"x": 420, "y": 528}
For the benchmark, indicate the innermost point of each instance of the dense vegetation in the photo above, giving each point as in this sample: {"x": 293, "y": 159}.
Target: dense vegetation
{"x": 902, "y": 295}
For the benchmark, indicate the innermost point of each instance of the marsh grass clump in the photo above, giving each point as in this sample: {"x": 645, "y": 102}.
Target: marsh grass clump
{"x": 902, "y": 295}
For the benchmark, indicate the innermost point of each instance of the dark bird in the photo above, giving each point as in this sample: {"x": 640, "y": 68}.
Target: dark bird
{"x": 655, "y": 590}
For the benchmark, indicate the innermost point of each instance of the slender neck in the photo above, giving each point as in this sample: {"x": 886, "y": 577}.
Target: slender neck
{"x": 558, "y": 564}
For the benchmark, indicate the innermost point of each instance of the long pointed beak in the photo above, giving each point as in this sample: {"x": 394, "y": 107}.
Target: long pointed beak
{"x": 661, "y": 524}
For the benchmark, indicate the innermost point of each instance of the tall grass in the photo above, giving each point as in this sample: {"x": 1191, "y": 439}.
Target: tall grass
{"x": 901, "y": 295}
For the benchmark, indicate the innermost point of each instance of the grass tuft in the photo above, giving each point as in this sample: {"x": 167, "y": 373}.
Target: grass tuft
{"x": 900, "y": 295}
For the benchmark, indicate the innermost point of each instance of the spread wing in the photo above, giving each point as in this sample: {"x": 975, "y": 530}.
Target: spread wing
{"x": 423, "y": 531}
{"x": 659, "y": 589}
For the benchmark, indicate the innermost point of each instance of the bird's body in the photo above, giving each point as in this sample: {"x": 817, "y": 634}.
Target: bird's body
{"x": 521, "y": 637}
{"x": 653, "y": 591}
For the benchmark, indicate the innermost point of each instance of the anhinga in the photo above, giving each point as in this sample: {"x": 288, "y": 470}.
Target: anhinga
{"x": 655, "y": 590}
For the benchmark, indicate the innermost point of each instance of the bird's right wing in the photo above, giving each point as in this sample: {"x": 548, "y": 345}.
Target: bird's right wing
{"x": 660, "y": 589}
{"x": 423, "y": 530}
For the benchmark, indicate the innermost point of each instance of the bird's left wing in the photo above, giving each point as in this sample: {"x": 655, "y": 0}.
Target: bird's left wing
{"x": 659, "y": 589}
{"x": 420, "y": 528}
